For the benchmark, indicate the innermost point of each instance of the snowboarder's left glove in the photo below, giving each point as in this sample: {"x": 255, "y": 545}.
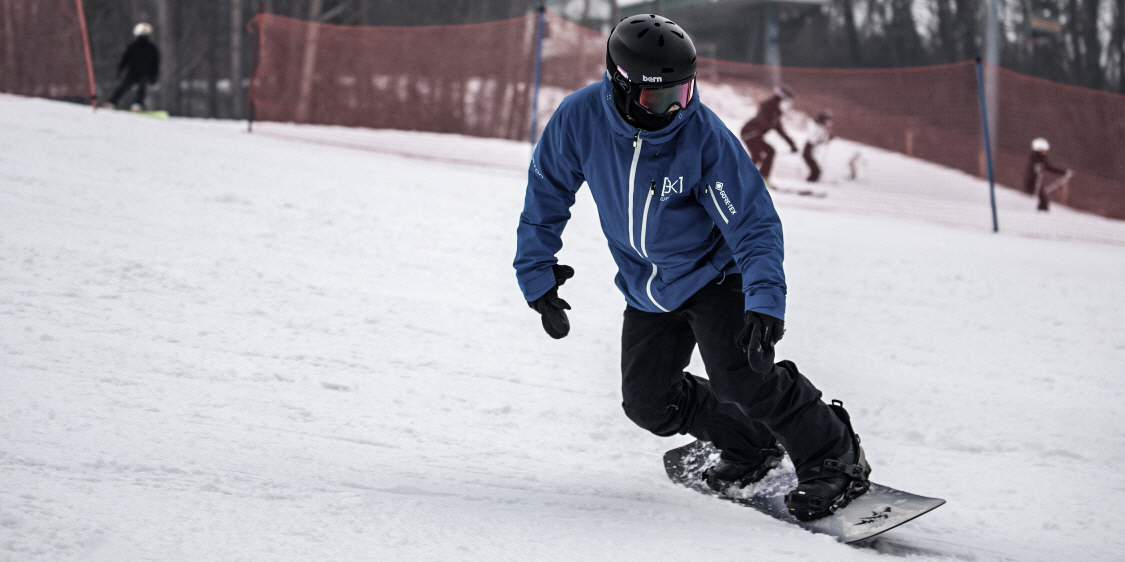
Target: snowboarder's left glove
{"x": 551, "y": 307}
{"x": 758, "y": 337}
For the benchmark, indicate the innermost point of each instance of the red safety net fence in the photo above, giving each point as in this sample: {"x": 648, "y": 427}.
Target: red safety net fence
{"x": 471, "y": 79}
{"x": 44, "y": 49}
{"x": 1086, "y": 130}
{"x": 479, "y": 80}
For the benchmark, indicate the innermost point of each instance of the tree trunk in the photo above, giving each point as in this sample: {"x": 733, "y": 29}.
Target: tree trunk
{"x": 169, "y": 63}
{"x": 1118, "y": 43}
{"x": 236, "y": 31}
{"x": 214, "y": 22}
{"x": 907, "y": 43}
{"x": 1095, "y": 76}
{"x": 946, "y": 32}
{"x": 967, "y": 16}
{"x": 852, "y": 33}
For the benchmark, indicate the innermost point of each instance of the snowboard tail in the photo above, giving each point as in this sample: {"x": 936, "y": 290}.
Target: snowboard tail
{"x": 880, "y": 509}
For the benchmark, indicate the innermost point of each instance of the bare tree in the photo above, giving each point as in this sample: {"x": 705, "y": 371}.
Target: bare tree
{"x": 236, "y": 30}
{"x": 1091, "y": 44}
{"x": 903, "y": 34}
{"x": 968, "y": 18}
{"x": 1117, "y": 43}
{"x": 851, "y": 32}
{"x": 945, "y": 36}
{"x": 169, "y": 62}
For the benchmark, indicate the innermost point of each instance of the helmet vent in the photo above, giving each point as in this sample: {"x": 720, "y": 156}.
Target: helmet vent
{"x": 678, "y": 34}
{"x": 637, "y": 21}
{"x": 661, "y": 41}
{"x": 643, "y": 32}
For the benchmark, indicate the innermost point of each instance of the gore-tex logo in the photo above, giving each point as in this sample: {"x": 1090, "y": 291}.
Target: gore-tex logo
{"x": 671, "y": 186}
{"x": 726, "y": 200}
{"x": 651, "y": 78}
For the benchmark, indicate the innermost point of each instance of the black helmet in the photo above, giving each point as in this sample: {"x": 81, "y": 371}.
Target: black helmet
{"x": 652, "y": 50}
{"x": 651, "y": 55}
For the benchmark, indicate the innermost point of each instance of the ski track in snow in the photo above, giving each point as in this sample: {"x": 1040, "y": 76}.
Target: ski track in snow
{"x": 226, "y": 346}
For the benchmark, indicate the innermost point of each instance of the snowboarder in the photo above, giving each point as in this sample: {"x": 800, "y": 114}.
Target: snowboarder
{"x": 768, "y": 118}
{"x": 698, "y": 246}
{"x": 820, "y": 134}
{"x": 141, "y": 65}
{"x": 1037, "y": 166}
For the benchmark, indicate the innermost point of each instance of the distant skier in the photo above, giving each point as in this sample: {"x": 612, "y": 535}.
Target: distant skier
{"x": 768, "y": 118}
{"x": 698, "y": 247}
{"x": 819, "y": 135}
{"x": 1037, "y": 166}
{"x": 141, "y": 66}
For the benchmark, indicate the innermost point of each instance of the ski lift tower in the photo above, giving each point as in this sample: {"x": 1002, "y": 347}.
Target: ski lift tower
{"x": 756, "y": 17}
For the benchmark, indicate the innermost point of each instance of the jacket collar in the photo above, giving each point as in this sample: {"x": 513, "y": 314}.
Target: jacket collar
{"x": 624, "y": 129}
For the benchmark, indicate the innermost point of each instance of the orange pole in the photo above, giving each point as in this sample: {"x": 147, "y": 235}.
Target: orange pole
{"x": 89, "y": 59}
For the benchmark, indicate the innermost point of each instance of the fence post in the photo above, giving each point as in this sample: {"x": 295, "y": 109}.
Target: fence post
{"x": 89, "y": 60}
{"x": 538, "y": 73}
{"x": 987, "y": 144}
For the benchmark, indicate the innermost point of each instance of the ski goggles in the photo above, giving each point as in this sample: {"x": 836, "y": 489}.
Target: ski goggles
{"x": 659, "y": 101}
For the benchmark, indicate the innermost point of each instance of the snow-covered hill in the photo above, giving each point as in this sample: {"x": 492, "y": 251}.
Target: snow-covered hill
{"x": 225, "y": 346}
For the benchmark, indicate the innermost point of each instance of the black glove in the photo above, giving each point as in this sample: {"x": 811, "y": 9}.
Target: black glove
{"x": 758, "y": 337}
{"x": 551, "y": 307}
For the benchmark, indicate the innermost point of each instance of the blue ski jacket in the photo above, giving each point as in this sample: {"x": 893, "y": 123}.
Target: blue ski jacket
{"x": 680, "y": 206}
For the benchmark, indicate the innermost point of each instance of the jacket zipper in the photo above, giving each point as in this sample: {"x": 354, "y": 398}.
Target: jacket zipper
{"x": 632, "y": 178}
{"x": 644, "y": 219}
{"x": 643, "y": 252}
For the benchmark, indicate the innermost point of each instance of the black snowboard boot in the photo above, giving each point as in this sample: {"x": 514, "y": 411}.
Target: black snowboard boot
{"x": 726, "y": 473}
{"x": 835, "y": 482}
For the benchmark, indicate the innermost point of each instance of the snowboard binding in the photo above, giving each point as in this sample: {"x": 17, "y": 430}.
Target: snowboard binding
{"x": 725, "y": 474}
{"x": 835, "y": 483}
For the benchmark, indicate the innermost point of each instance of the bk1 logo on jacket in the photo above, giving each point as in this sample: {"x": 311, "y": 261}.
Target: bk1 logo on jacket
{"x": 671, "y": 186}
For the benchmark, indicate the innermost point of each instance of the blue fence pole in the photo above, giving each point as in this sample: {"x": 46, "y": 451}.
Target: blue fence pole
{"x": 538, "y": 73}
{"x": 987, "y": 144}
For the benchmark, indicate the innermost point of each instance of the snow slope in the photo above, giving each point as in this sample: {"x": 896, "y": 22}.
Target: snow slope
{"x": 229, "y": 347}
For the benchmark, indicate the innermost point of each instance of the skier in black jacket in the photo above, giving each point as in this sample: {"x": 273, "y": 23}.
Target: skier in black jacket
{"x": 767, "y": 119}
{"x": 1037, "y": 167}
{"x": 141, "y": 66}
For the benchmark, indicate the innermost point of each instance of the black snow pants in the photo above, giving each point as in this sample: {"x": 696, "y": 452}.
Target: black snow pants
{"x": 128, "y": 82}
{"x": 762, "y": 153}
{"x": 740, "y": 411}
{"x": 810, "y": 159}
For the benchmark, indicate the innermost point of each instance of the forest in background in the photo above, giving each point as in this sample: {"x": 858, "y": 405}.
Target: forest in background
{"x": 207, "y": 50}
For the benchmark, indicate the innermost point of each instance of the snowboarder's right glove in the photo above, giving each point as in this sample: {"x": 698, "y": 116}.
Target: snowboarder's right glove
{"x": 758, "y": 338}
{"x": 551, "y": 307}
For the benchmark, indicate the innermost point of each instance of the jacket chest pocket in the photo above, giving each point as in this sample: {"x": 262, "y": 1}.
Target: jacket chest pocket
{"x": 668, "y": 207}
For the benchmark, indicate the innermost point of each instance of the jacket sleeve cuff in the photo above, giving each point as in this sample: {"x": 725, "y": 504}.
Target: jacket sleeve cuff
{"x": 538, "y": 285}
{"x": 771, "y": 303}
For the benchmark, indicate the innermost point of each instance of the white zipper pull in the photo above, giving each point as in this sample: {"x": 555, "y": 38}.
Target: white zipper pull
{"x": 652, "y": 188}
{"x": 636, "y": 137}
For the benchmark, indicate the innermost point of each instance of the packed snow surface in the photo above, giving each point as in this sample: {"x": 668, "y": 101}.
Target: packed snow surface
{"x": 221, "y": 346}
